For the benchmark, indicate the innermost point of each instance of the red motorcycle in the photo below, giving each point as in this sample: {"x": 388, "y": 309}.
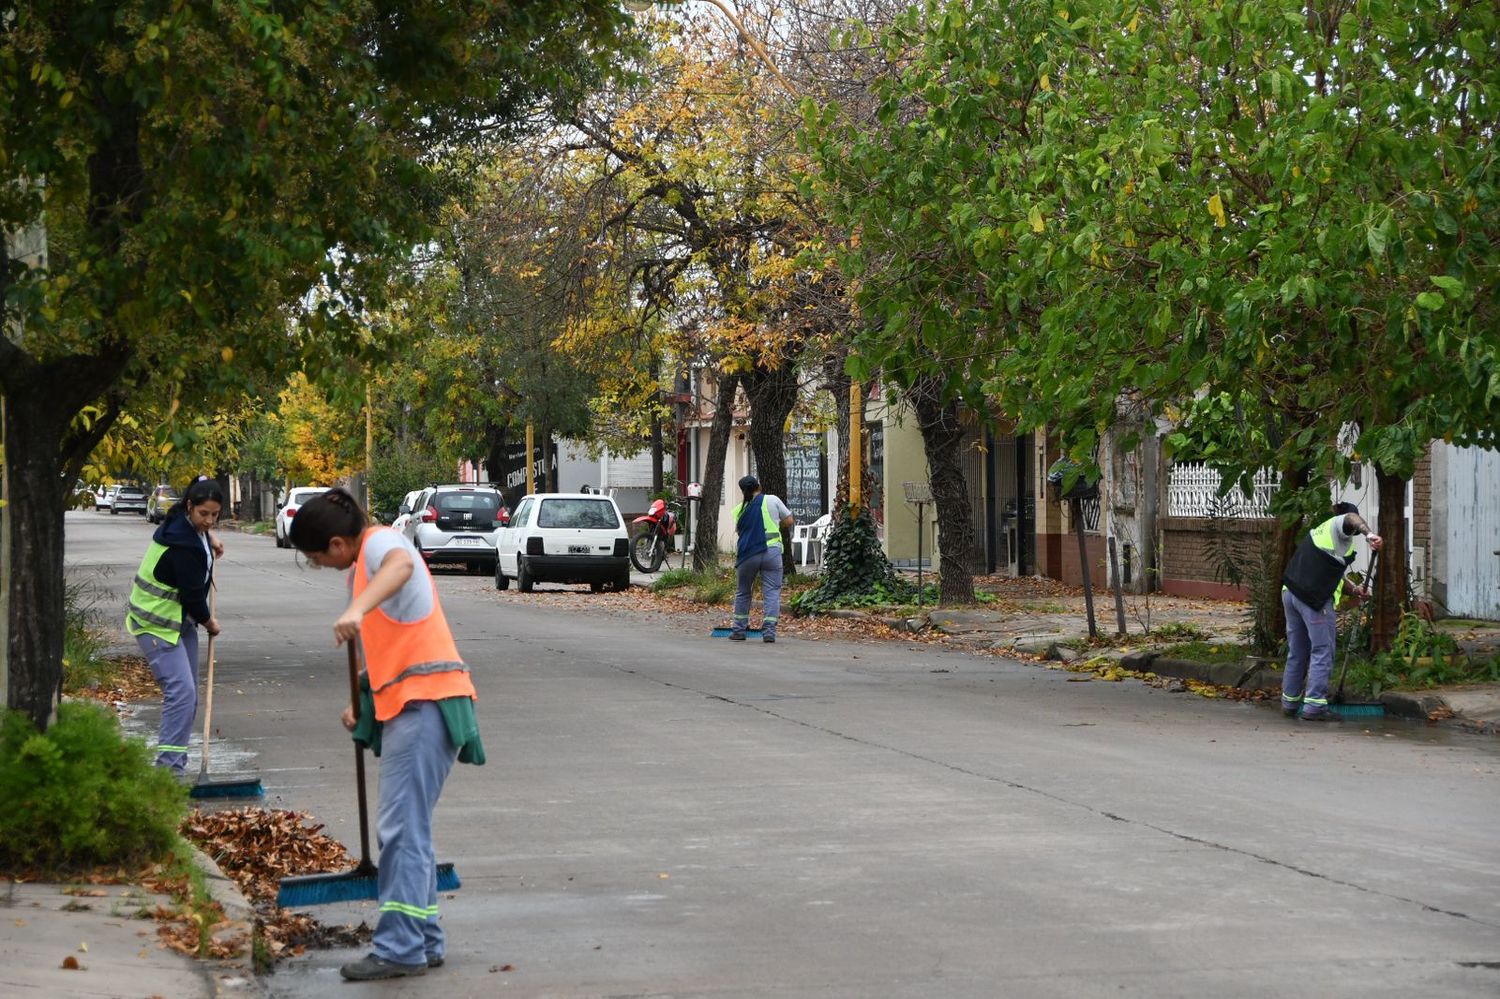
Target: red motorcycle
{"x": 653, "y": 532}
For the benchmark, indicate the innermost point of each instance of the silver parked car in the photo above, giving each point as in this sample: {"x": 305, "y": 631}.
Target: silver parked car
{"x": 458, "y": 523}
{"x": 129, "y": 499}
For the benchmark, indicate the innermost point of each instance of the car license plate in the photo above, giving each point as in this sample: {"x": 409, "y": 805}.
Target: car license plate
{"x": 578, "y": 549}
{"x": 468, "y": 541}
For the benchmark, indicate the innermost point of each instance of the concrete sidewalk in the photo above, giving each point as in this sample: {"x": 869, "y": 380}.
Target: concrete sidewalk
{"x": 76, "y": 939}
{"x": 1046, "y": 620}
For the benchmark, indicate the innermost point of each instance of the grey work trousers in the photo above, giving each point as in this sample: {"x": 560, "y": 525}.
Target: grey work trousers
{"x": 415, "y": 758}
{"x": 768, "y": 565}
{"x": 175, "y": 666}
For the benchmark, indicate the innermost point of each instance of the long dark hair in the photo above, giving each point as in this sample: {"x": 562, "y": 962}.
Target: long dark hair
{"x": 202, "y": 490}
{"x": 334, "y": 514}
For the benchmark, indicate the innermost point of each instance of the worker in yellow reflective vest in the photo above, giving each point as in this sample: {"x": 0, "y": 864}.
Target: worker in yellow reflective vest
{"x": 168, "y": 601}
{"x": 1311, "y": 588}
{"x": 762, "y": 523}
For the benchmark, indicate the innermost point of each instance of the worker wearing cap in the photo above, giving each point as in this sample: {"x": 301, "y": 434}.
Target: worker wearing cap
{"x": 761, "y": 522}
{"x": 1311, "y": 587}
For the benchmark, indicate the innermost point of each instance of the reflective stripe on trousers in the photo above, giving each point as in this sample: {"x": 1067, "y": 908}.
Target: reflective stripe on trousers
{"x": 415, "y": 758}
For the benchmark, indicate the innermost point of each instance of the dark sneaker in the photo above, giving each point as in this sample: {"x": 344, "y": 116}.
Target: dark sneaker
{"x": 372, "y": 969}
{"x": 736, "y": 636}
{"x": 1289, "y": 712}
{"x": 1319, "y": 716}
{"x": 768, "y": 639}
{"x": 434, "y": 960}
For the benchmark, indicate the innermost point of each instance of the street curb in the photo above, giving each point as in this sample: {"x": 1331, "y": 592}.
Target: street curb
{"x": 233, "y": 978}
{"x": 1257, "y": 677}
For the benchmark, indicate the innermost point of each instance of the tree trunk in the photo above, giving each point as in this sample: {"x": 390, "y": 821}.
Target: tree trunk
{"x": 43, "y": 455}
{"x": 706, "y": 544}
{"x": 494, "y": 454}
{"x": 1292, "y": 480}
{"x": 942, "y": 433}
{"x": 658, "y": 456}
{"x": 837, "y": 382}
{"x": 772, "y": 396}
{"x": 1391, "y": 596}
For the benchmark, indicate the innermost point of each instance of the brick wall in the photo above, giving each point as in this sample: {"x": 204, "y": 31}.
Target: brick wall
{"x": 1188, "y": 553}
{"x": 1062, "y": 550}
{"x": 1421, "y": 511}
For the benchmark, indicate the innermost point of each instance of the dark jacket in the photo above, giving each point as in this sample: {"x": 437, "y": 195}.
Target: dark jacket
{"x": 185, "y": 564}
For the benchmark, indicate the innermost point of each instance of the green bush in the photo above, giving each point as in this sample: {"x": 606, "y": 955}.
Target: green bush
{"x": 715, "y": 588}
{"x": 83, "y": 644}
{"x": 82, "y": 794}
{"x": 856, "y": 572}
{"x": 674, "y": 579}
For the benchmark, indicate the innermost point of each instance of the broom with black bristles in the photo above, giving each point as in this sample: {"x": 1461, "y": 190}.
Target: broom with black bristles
{"x": 362, "y": 882}
{"x": 222, "y": 787}
{"x": 1358, "y": 709}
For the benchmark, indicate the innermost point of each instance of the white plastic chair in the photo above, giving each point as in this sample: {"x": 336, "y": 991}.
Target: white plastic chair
{"x": 807, "y": 535}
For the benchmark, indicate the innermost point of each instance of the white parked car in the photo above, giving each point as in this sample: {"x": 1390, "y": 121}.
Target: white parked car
{"x": 408, "y": 505}
{"x": 288, "y": 509}
{"x": 564, "y": 538}
{"x": 458, "y": 523}
{"x": 104, "y": 499}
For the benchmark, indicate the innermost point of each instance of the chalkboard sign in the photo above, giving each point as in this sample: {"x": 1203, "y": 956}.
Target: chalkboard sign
{"x": 806, "y": 477}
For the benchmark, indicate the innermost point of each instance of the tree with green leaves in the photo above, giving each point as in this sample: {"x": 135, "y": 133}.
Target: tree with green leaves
{"x": 197, "y": 165}
{"x": 1289, "y": 203}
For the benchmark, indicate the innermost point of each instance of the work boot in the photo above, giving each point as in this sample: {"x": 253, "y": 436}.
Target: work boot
{"x": 434, "y": 961}
{"x": 1320, "y": 716}
{"x": 768, "y": 638}
{"x": 372, "y": 969}
{"x": 736, "y": 636}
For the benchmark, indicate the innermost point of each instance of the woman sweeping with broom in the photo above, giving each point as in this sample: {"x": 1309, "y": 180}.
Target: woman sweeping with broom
{"x": 168, "y": 601}
{"x": 417, "y": 715}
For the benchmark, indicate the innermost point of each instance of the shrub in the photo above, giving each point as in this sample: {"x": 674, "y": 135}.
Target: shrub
{"x": 856, "y": 572}
{"x": 83, "y": 644}
{"x": 674, "y": 579}
{"x": 82, "y": 794}
{"x": 714, "y": 588}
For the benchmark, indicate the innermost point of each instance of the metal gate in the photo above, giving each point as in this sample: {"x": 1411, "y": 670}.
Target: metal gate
{"x": 1471, "y": 534}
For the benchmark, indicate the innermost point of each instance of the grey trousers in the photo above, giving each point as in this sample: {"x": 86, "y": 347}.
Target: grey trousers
{"x": 1311, "y": 635}
{"x": 175, "y": 666}
{"x": 415, "y": 758}
{"x": 768, "y": 565}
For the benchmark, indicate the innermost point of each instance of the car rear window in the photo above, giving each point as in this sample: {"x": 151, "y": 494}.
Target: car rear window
{"x": 484, "y": 504}
{"x": 133, "y": 493}
{"x": 587, "y": 514}
{"x": 303, "y": 495}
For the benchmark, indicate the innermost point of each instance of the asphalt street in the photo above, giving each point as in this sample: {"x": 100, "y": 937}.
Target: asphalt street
{"x": 665, "y": 814}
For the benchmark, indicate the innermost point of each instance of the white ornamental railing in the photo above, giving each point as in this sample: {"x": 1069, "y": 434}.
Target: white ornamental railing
{"x": 1193, "y": 491}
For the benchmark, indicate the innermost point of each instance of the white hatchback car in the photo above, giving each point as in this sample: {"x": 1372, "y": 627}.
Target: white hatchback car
{"x": 284, "y": 514}
{"x": 564, "y": 538}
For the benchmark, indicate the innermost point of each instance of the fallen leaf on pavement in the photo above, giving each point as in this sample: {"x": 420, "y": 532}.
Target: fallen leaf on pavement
{"x": 71, "y": 963}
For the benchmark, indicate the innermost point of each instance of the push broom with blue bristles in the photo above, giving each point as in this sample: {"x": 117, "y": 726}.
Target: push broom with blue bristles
{"x": 363, "y": 882}
{"x": 1357, "y": 709}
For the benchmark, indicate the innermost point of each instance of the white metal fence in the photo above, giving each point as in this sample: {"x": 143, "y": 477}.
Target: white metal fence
{"x": 1193, "y": 491}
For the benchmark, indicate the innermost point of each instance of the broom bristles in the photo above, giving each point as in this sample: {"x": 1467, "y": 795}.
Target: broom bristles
{"x": 357, "y": 885}
{"x": 228, "y": 788}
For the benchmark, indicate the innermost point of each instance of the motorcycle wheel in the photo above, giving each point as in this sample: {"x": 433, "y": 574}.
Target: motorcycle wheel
{"x": 644, "y": 551}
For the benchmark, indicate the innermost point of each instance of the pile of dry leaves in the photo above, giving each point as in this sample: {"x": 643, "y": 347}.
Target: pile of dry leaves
{"x": 257, "y": 847}
{"x": 131, "y": 680}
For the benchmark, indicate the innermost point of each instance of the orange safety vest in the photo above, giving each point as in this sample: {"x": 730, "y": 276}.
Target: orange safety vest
{"x": 408, "y": 660}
